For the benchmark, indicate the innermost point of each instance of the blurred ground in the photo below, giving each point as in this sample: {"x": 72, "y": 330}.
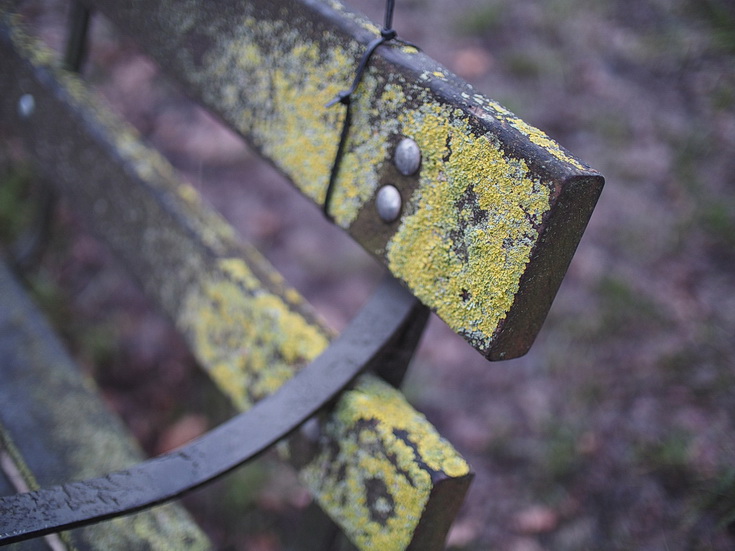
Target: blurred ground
{"x": 617, "y": 430}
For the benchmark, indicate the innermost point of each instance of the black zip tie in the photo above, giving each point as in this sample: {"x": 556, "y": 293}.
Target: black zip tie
{"x": 345, "y": 98}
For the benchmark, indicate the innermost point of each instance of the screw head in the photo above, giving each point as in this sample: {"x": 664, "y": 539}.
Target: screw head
{"x": 388, "y": 203}
{"x": 26, "y": 105}
{"x": 407, "y": 157}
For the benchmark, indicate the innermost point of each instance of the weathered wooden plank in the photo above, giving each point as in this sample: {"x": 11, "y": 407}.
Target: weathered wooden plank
{"x": 248, "y": 329}
{"x": 491, "y": 219}
{"x": 372, "y": 467}
{"x": 55, "y": 428}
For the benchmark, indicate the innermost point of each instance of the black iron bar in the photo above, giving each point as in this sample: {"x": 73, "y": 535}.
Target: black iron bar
{"x": 168, "y": 476}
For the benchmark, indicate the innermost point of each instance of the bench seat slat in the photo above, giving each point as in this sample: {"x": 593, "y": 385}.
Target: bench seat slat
{"x": 248, "y": 329}
{"x": 54, "y": 428}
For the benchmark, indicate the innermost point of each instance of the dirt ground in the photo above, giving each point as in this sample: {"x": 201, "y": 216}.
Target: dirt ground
{"x": 617, "y": 431}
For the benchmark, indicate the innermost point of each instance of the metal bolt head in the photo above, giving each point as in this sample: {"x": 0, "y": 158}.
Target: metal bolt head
{"x": 407, "y": 157}
{"x": 388, "y": 202}
{"x": 26, "y": 105}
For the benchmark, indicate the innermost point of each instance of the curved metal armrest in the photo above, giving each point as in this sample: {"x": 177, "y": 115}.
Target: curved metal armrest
{"x": 160, "y": 479}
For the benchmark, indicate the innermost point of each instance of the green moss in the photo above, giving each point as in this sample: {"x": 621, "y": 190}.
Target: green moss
{"x": 625, "y": 311}
{"x": 667, "y": 458}
{"x": 718, "y": 220}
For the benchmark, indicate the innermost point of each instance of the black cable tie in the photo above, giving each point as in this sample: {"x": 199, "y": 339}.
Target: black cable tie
{"x": 388, "y": 21}
{"x": 345, "y": 98}
{"x": 388, "y": 34}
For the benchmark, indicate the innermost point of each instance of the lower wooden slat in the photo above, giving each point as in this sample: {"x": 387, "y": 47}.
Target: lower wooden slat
{"x": 54, "y": 428}
{"x": 386, "y": 477}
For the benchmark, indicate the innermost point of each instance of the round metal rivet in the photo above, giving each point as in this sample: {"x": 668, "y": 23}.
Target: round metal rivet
{"x": 407, "y": 157}
{"x": 26, "y": 105}
{"x": 388, "y": 203}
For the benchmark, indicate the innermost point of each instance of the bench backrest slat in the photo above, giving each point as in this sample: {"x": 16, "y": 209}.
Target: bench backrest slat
{"x": 494, "y": 214}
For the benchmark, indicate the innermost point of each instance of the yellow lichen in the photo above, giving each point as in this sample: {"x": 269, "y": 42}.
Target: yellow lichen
{"x": 473, "y": 223}
{"x": 249, "y": 339}
{"x": 303, "y": 138}
{"x": 379, "y": 482}
{"x": 541, "y": 139}
{"x": 161, "y": 528}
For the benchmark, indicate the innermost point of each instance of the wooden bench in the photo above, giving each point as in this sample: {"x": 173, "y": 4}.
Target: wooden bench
{"x": 472, "y": 211}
